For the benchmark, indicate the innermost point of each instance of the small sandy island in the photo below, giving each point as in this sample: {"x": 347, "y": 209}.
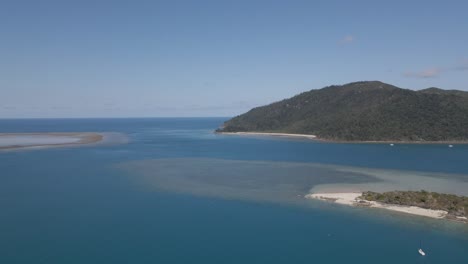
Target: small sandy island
{"x": 270, "y": 134}
{"x": 354, "y": 200}
{"x": 11, "y": 141}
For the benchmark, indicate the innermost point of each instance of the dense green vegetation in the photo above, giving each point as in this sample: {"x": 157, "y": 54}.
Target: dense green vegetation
{"x": 453, "y": 204}
{"x": 363, "y": 111}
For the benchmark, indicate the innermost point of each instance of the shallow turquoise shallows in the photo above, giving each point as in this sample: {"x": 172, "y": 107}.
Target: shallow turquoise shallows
{"x": 132, "y": 202}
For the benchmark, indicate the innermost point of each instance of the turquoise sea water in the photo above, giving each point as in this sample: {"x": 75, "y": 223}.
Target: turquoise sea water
{"x": 177, "y": 193}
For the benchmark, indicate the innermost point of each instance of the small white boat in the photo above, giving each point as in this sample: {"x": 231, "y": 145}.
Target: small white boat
{"x": 450, "y": 146}
{"x": 420, "y": 251}
{"x": 391, "y": 145}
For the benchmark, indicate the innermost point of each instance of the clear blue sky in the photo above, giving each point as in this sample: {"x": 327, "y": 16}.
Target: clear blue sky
{"x": 216, "y": 58}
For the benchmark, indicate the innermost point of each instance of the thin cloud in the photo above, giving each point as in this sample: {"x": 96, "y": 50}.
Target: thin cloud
{"x": 429, "y": 73}
{"x": 462, "y": 65}
{"x": 347, "y": 39}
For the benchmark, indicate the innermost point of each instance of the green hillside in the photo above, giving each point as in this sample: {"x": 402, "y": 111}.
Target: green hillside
{"x": 363, "y": 111}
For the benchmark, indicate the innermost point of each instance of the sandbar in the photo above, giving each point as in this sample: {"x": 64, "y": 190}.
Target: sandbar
{"x": 11, "y": 141}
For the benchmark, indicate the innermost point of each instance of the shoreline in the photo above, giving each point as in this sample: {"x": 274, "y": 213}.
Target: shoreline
{"x": 314, "y": 137}
{"x": 288, "y": 135}
{"x": 351, "y": 199}
{"x": 49, "y": 140}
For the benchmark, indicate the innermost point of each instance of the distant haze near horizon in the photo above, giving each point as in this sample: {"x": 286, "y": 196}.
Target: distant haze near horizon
{"x": 216, "y": 58}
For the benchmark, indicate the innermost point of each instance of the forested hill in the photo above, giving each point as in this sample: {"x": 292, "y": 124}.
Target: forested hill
{"x": 363, "y": 111}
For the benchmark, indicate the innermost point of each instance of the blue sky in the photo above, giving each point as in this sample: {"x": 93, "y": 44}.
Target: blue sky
{"x": 216, "y": 58}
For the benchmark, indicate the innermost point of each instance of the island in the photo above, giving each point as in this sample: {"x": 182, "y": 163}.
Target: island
{"x": 423, "y": 203}
{"x": 12, "y": 141}
{"x": 367, "y": 111}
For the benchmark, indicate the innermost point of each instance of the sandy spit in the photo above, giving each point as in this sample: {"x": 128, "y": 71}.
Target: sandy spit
{"x": 65, "y": 139}
{"x": 353, "y": 200}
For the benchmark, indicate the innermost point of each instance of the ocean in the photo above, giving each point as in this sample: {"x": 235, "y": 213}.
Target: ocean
{"x": 178, "y": 193}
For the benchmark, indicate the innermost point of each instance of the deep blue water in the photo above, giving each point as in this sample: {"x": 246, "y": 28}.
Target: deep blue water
{"x": 72, "y": 205}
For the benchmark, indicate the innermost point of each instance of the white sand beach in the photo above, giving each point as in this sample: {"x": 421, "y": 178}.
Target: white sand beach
{"x": 352, "y": 199}
{"x": 9, "y": 141}
{"x": 271, "y": 134}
